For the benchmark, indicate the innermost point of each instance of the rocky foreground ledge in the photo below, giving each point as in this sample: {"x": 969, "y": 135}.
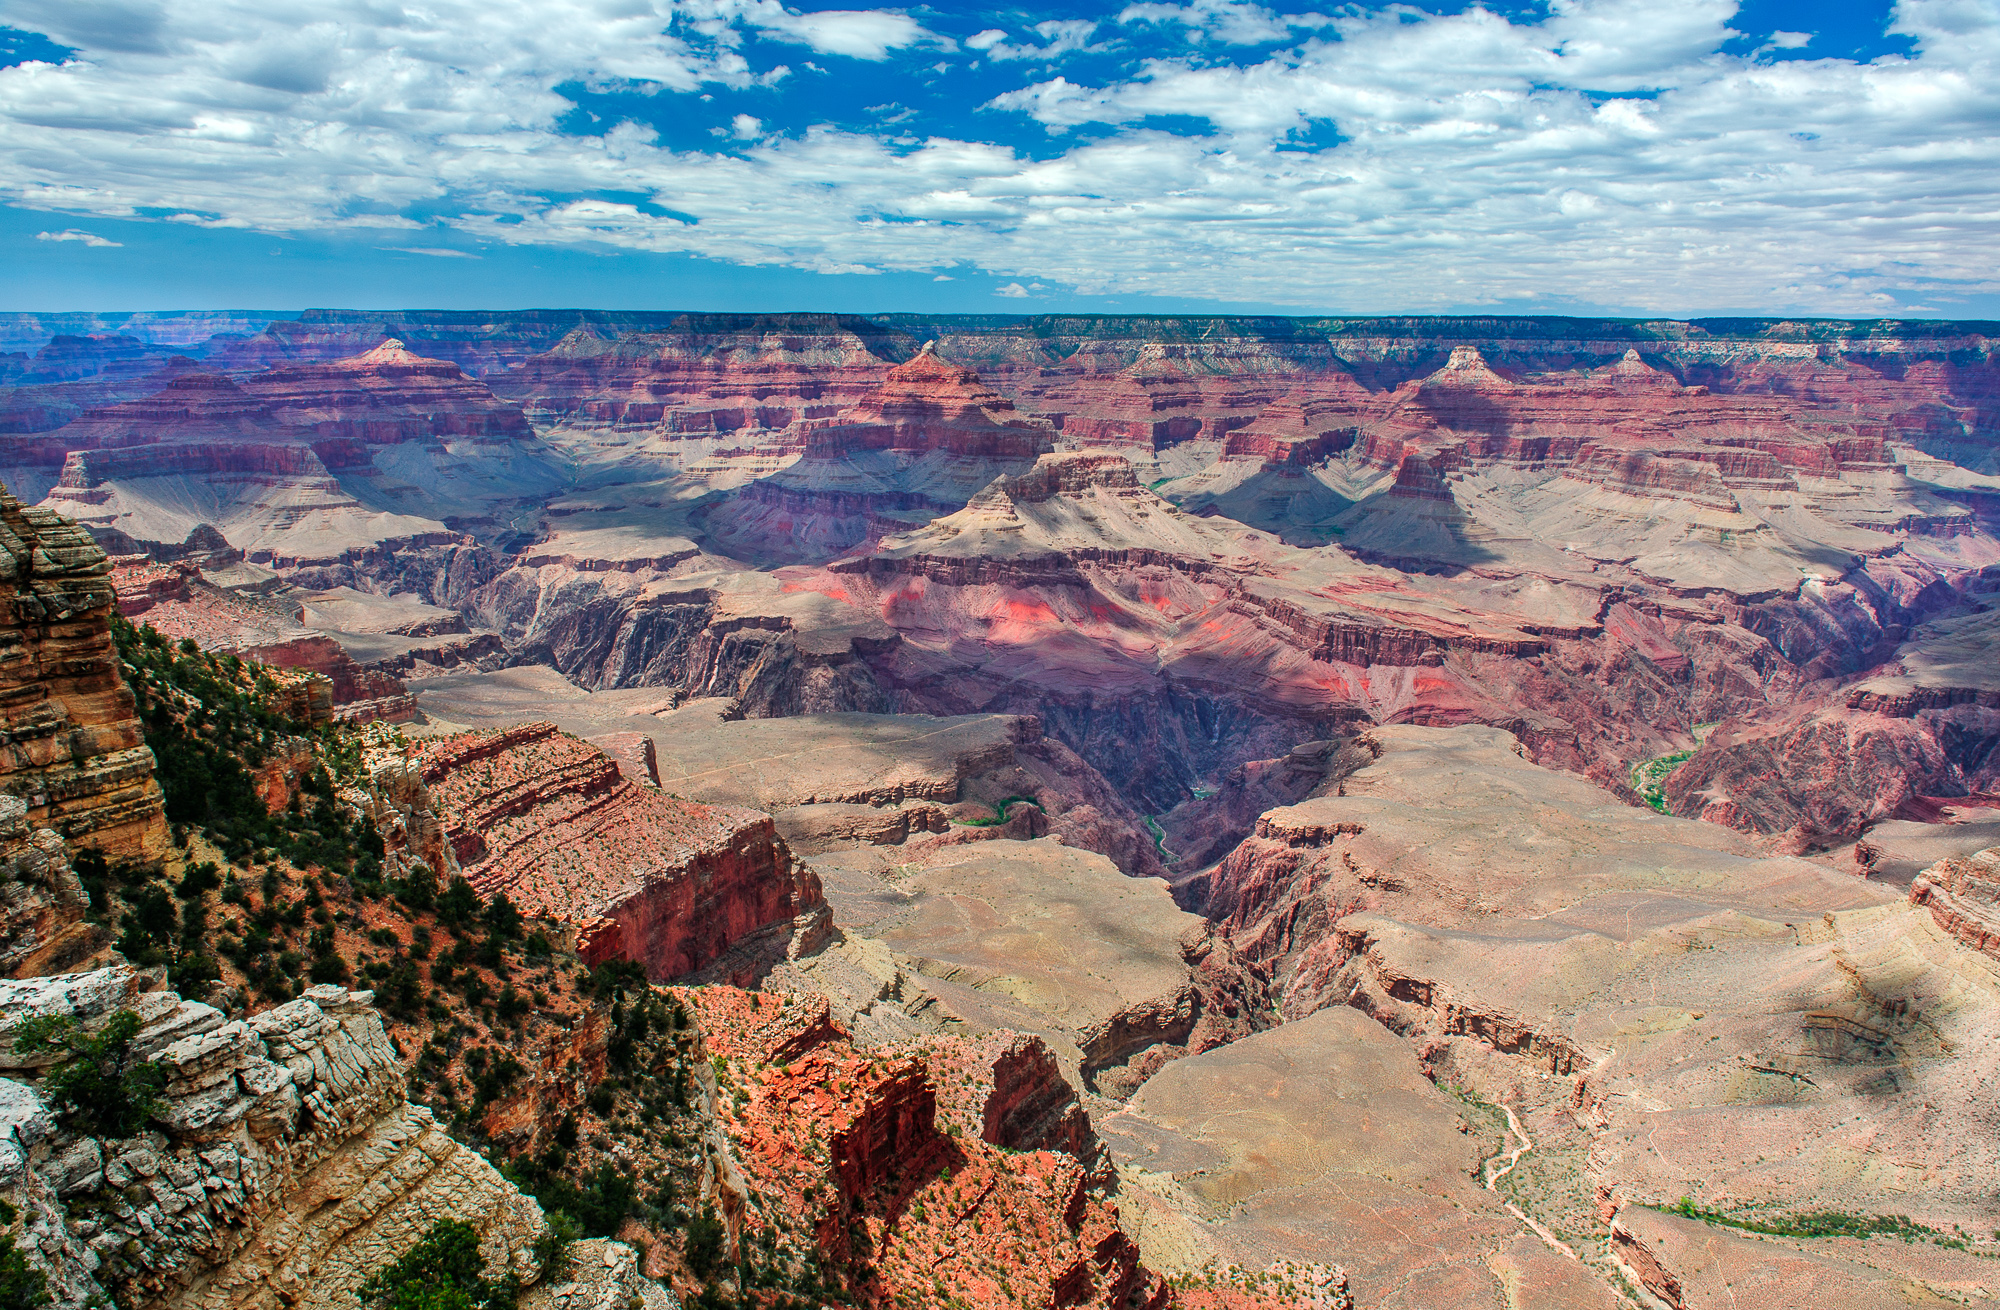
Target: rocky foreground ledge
{"x": 285, "y": 1163}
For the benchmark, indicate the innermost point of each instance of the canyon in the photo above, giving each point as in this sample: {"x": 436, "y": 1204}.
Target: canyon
{"x": 1423, "y": 811}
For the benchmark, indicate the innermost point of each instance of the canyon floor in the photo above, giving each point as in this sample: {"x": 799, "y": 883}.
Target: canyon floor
{"x": 1436, "y": 812}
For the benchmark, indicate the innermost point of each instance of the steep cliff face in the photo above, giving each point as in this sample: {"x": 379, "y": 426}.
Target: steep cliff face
{"x": 282, "y": 1167}
{"x": 703, "y": 374}
{"x": 385, "y": 397}
{"x": 1963, "y": 897}
{"x": 889, "y": 1197}
{"x": 70, "y": 743}
{"x": 642, "y": 875}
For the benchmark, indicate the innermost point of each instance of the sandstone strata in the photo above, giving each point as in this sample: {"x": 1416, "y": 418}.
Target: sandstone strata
{"x": 923, "y": 442}
{"x": 70, "y": 742}
{"x": 1963, "y": 897}
{"x": 42, "y": 902}
{"x": 894, "y": 1199}
{"x": 285, "y": 1165}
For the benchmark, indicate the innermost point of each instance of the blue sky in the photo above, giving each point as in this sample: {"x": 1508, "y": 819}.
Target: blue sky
{"x": 1620, "y": 156}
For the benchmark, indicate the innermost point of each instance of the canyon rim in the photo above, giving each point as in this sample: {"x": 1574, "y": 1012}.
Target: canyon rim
{"x": 1197, "y": 655}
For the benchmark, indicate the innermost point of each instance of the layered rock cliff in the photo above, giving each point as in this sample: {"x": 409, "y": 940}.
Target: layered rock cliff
{"x": 70, "y": 741}
{"x": 182, "y": 605}
{"x": 921, "y": 443}
{"x": 941, "y": 1164}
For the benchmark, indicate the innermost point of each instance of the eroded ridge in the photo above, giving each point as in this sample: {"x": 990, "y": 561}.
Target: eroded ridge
{"x": 641, "y": 875}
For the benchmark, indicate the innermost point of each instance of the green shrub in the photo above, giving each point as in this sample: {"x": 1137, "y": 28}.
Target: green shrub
{"x": 102, "y": 1089}
{"x": 705, "y": 1242}
{"x": 22, "y": 1286}
{"x": 459, "y": 905}
{"x": 502, "y": 918}
{"x": 552, "y": 1247}
{"x": 442, "y": 1272}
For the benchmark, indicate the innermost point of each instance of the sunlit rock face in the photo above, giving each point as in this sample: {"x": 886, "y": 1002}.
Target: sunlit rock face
{"x": 72, "y": 749}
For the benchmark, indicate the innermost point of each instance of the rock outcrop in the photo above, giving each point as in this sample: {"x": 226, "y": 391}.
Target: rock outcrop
{"x": 891, "y": 1198}
{"x": 642, "y": 875}
{"x": 70, "y": 741}
{"x": 920, "y": 444}
{"x": 385, "y": 397}
{"x": 1963, "y": 897}
{"x": 284, "y": 1164}
{"x": 42, "y": 901}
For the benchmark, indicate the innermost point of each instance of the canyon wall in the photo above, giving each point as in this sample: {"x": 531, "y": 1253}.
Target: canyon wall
{"x": 70, "y": 742}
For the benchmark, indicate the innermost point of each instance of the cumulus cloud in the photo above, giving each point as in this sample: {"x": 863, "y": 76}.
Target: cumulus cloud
{"x": 1059, "y": 36}
{"x": 1610, "y": 151}
{"x": 76, "y": 234}
{"x": 1013, "y": 291}
{"x": 870, "y": 34}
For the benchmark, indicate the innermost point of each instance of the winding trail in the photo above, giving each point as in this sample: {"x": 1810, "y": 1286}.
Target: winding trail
{"x": 1493, "y": 1177}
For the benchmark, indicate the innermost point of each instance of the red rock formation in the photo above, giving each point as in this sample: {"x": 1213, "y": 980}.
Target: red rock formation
{"x": 1963, "y": 896}
{"x": 1819, "y": 775}
{"x": 643, "y": 876}
{"x": 1168, "y": 393}
{"x": 634, "y": 754}
{"x": 930, "y": 404}
{"x": 715, "y": 376}
{"x": 1295, "y": 431}
{"x": 898, "y": 1205}
{"x": 948, "y": 432}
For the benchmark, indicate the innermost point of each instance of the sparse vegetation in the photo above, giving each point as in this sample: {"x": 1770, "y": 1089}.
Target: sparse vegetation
{"x": 22, "y": 1286}
{"x": 1821, "y": 1223}
{"x": 212, "y": 720}
{"x": 1649, "y": 777}
{"x": 101, "y": 1088}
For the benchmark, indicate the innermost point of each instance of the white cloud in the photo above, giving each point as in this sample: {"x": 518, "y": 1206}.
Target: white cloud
{"x": 1610, "y": 152}
{"x": 1059, "y": 36}
{"x": 438, "y": 252}
{"x": 870, "y": 34}
{"x": 1232, "y": 22}
{"x": 76, "y": 234}
{"x": 746, "y": 128}
{"x": 1013, "y": 291}
{"x": 1791, "y": 40}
